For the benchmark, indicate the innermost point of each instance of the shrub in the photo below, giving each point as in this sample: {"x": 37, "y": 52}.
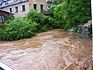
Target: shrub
{"x": 44, "y": 22}
{"x": 38, "y": 17}
{"x": 17, "y": 29}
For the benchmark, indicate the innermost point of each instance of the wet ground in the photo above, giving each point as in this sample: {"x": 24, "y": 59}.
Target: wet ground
{"x": 52, "y": 50}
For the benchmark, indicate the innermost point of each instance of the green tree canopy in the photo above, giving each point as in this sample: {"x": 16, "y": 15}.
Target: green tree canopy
{"x": 72, "y": 12}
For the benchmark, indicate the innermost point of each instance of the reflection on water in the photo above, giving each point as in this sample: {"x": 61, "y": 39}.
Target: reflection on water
{"x": 52, "y": 50}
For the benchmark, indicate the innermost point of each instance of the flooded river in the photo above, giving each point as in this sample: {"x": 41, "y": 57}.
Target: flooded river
{"x": 52, "y": 50}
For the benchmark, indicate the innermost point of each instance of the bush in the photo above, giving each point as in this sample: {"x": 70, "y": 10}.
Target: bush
{"x": 17, "y": 29}
{"x": 37, "y": 17}
{"x": 72, "y": 12}
{"x": 44, "y": 22}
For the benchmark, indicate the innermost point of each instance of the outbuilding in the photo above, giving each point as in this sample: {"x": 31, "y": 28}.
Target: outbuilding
{"x": 4, "y": 15}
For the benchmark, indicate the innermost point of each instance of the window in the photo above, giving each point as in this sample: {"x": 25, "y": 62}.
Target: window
{"x": 16, "y": 9}
{"x": 41, "y": 6}
{"x": 35, "y": 6}
{"x": 10, "y": 9}
{"x": 1, "y": 19}
{"x": 23, "y": 8}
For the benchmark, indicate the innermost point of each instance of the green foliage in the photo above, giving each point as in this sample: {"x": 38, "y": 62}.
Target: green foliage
{"x": 38, "y": 17}
{"x": 72, "y": 12}
{"x": 44, "y": 22}
{"x": 17, "y": 29}
{"x": 35, "y": 16}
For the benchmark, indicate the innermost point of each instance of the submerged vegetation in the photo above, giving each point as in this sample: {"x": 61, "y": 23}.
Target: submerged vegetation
{"x": 64, "y": 14}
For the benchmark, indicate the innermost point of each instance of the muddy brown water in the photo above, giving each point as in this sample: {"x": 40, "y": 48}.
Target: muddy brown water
{"x": 52, "y": 50}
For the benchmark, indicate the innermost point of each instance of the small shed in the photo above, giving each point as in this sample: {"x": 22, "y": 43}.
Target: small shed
{"x": 4, "y": 15}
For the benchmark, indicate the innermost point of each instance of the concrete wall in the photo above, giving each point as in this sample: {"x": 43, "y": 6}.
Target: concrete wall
{"x": 20, "y": 12}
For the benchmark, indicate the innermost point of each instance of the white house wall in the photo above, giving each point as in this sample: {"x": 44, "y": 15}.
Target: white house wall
{"x": 28, "y": 6}
{"x": 20, "y": 12}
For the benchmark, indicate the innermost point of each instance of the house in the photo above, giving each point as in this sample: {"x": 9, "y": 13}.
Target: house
{"x": 4, "y": 15}
{"x": 22, "y": 7}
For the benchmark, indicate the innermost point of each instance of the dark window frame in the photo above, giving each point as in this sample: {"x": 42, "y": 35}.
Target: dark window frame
{"x": 1, "y": 19}
{"x": 35, "y": 6}
{"x": 16, "y": 9}
{"x": 41, "y": 7}
{"x": 10, "y": 9}
{"x": 23, "y": 8}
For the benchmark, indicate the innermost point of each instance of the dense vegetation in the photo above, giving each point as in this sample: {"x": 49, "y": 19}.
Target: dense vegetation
{"x": 64, "y": 14}
{"x": 28, "y": 26}
{"x": 71, "y": 13}
{"x": 44, "y": 22}
{"x": 17, "y": 29}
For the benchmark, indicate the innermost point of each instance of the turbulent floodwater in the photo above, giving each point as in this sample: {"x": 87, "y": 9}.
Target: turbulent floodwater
{"x": 52, "y": 50}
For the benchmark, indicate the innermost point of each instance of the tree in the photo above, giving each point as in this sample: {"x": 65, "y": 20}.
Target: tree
{"x": 73, "y": 12}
